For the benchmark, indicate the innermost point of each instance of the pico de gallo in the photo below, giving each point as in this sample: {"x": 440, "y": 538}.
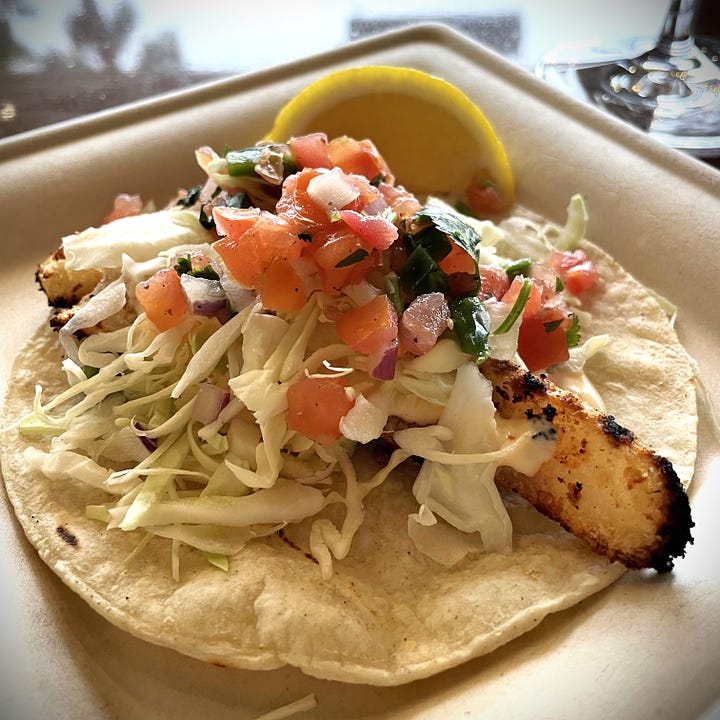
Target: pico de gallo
{"x": 339, "y": 221}
{"x": 295, "y": 304}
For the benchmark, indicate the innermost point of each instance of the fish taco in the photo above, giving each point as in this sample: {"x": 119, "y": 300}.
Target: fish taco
{"x": 300, "y": 417}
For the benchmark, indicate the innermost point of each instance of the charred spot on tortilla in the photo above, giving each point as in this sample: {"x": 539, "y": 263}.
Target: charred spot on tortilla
{"x": 281, "y": 534}
{"x": 66, "y": 536}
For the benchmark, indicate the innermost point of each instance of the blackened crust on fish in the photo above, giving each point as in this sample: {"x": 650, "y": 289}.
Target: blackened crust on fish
{"x": 676, "y": 532}
{"x": 617, "y": 431}
{"x": 529, "y": 386}
{"x": 64, "y": 288}
{"x": 601, "y": 484}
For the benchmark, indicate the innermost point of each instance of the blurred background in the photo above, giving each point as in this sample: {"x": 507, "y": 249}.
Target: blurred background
{"x": 61, "y": 59}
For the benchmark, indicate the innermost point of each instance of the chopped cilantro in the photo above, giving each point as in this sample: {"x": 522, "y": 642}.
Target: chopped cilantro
{"x": 421, "y": 274}
{"x": 437, "y": 231}
{"x": 519, "y": 267}
{"x": 471, "y": 324}
{"x": 516, "y": 309}
{"x": 191, "y": 197}
{"x": 462, "y": 207}
{"x": 452, "y": 226}
{"x": 184, "y": 267}
{"x": 353, "y": 258}
{"x": 392, "y": 288}
{"x": 572, "y": 336}
{"x": 552, "y": 325}
{"x": 243, "y": 162}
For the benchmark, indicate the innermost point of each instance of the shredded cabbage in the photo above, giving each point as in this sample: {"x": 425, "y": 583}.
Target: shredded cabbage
{"x": 140, "y": 237}
{"x": 217, "y": 482}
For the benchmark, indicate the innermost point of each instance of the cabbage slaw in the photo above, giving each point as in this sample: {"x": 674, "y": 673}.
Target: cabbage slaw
{"x": 185, "y": 430}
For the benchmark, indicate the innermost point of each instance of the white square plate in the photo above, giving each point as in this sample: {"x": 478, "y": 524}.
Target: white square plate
{"x": 648, "y": 647}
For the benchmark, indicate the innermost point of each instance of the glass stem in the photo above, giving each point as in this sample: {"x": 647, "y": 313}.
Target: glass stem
{"x": 676, "y": 36}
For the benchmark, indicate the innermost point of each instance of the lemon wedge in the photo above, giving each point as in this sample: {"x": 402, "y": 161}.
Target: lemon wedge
{"x": 434, "y": 138}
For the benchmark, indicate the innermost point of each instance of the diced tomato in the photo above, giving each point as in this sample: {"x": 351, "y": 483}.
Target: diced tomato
{"x": 457, "y": 261}
{"x": 374, "y": 230}
{"x": 124, "y": 206}
{"x": 493, "y": 281}
{"x": 310, "y": 151}
{"x": 241, "y": 258}
{"x": 542, "y": 339}
{"x": 546, "y": 280}
{"x": 282, "y": 288}
{"x": 163, "y": 299}
{"x": 369, "y": 328}
{"x": 316, "y": 406}
{"x": 234, "y": 222}
{"x": 296, "y": 206}
{"x": 576, "y": 271}
{"x": 335, "y": 249}
{"x": 360, "y": 157}
{"x": 275, "y": 238}
{"x": 534, "y": 302}
{"x": 249, "y": 254}
{"x": 403, "y": 203}
{"x": 369, "y": 195}
{"x": 484, "y": 199}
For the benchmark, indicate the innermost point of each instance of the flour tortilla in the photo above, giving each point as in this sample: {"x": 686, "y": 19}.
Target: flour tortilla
{"x": 389, "y": 615}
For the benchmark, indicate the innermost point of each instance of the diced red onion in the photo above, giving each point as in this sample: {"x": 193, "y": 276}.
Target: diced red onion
{"x": 238, "y": 295}
{"x": 150, "y": 443}
{"x": 207, "y": 191}
{"x": 199, "y": 257}
{"x": 361, "y": 293}
{"x": 206, "y": 297}
{"x": 546, "y": 278}
{"x": 270, "y": 166}
{"x": 375, "y": 207}
{"x": 210, "y": 400}
{"x": 383, "y": 363}
{"x": 423, "y": 321}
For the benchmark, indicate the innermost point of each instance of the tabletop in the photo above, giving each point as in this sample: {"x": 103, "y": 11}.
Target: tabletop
{"x": 70, "y": 58}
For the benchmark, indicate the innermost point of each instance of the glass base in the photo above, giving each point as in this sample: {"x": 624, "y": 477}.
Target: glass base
{"x": 671, "y": 92}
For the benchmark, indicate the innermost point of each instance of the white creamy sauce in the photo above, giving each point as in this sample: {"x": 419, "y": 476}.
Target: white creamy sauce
{"x": 577, "y": 382}
{"x": 529, "y": 457}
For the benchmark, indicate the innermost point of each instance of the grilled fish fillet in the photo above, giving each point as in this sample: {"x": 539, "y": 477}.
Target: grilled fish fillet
{"x": 601, "y": 484}
{"x": 64, "y": 288}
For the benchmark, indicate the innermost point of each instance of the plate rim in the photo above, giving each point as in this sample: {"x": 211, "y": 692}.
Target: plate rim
{"x": 616, "y": 130}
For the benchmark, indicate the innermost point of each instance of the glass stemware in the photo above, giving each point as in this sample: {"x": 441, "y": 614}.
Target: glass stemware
{"x": 669, "y": 87}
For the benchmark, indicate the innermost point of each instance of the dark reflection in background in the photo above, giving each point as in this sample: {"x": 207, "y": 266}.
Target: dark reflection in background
{"x": 43, "y": 87}
{"x": 40, "y": 85}
{"x": 61, "y": 59}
